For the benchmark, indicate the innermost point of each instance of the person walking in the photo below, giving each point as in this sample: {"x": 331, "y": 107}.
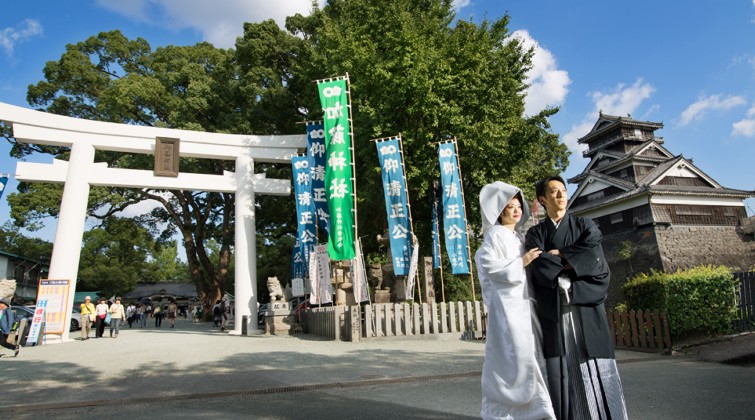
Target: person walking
{"x": 172, "y": 313}
{"x": 217, "y": 313}
{"x": 7, "y": 320}
{"x": 88, "y": 312}
{"x": 141, "y": 313}
{"x": 130, "y": 314}
{"x": 157, "y": 312}
{"x": 570, "y": 282}
{"x": 513, "y": 386}
{"x": 100, "y": 315}
{"x": 225, "y": 309}
{"x": 117, "y": 315}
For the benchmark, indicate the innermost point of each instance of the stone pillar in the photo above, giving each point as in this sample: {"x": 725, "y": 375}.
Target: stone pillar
{"x": 245, "y": 250}
{"x": 66, "y": 250}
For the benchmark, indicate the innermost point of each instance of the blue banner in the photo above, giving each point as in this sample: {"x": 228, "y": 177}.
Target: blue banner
{"x": 3, "y": 182}
{"x": 305, "y": 207}
{"x": 316, "y": 156}
{"x": 454, "y": 215}
{"x": 435, "y": 225}
{"x": 298, "y": 266}
{"x": 396, "y": 204}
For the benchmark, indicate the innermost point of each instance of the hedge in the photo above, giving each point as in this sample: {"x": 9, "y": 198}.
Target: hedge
{"x": 698, "y": 300}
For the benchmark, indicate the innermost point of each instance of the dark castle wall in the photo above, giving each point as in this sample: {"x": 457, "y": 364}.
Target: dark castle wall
{"x": 673, "y": 247}
{"x": 687, "y": 246}
{"x": 644, "y": 257}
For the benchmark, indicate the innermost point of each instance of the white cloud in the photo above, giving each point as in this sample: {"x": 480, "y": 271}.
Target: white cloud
{"x": 458, "y": 4}
{"x": 548, "y": 84}
{"x": 713, "y": 102}
{"x": 746, "y": 126}
{"x": 10, "y": 37}
{"x": 621, "y": 100}
{"x": 218, "y": 22}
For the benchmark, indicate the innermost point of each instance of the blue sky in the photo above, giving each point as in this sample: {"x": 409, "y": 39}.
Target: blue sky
{"x": 690, "y": 65}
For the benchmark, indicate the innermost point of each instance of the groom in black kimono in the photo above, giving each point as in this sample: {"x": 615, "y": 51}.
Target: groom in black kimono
{"x": 570, "y": 283}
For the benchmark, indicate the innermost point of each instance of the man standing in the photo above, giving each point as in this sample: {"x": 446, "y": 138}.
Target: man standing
{"x": 7, "y": 319}
{"x": 570, "y": 283}
{"x": 87, "y": 316}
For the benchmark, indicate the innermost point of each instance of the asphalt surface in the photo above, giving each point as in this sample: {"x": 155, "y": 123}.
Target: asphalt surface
{"x": 195, "y": 371}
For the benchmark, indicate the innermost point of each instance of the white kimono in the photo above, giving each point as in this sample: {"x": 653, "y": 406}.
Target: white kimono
{"x": 513, "y": 386}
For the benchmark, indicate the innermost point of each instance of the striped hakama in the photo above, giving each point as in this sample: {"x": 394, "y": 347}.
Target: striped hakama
{"x": 582, "y": 387}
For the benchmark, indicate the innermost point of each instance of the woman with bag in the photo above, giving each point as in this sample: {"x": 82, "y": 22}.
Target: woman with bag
{"x": 87, "y": 317}
{"x": 7, "y": 319}
{"x": 101, "y": 313}
{"x": 116, "y": 316}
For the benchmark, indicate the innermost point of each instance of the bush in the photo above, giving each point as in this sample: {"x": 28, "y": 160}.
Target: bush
{"x": 698, "y": 300}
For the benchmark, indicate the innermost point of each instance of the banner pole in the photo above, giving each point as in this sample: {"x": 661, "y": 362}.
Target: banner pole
{"x": 437, "y": 230}
{"x": 464, "y": 208}
{"x": 353, "y": 157}
{"x": 409, "y": 210}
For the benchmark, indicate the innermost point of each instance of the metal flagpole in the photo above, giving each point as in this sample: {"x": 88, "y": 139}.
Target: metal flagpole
{"x": 464, "y": 208}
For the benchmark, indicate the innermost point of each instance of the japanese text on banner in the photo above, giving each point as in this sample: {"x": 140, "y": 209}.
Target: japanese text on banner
{"x": 396, "y": 204}
{"x": 454, "y": 221}
{"x": 339, "y": 170}
{"x": 305, "y": 208}
{"x": 316, "y": 156}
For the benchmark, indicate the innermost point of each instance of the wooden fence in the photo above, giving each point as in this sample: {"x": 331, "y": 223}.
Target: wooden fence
{"x": 393, "y": 320}
{"x": 745, "y": 302}
{"x": 644, "y": 330}
{"x": 323, "y": 322}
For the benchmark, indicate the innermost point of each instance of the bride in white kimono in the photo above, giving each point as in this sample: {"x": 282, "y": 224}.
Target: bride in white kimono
{"x": 513, "y": 386}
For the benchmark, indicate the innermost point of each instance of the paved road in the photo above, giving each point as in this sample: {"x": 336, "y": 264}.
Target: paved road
{"x": 194, "y": 371}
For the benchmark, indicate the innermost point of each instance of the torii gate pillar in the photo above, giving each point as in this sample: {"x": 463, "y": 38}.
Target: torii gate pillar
{"x": 66, "y": 249}
{"x": 245, "y": 251}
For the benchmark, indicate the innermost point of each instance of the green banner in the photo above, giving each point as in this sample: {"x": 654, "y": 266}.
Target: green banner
{"x": 339, "y": 170}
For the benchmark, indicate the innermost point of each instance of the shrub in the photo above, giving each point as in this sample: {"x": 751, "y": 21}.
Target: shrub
{"x": 698, "y": 300}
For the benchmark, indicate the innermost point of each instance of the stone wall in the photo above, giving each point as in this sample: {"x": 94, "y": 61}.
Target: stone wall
{"x": 644, "y": 257}
{"x": 674, "y": 247}
{"x": 687, "y": 246}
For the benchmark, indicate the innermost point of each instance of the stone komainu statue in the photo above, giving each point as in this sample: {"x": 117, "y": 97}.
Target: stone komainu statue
{"x": 274, "y": 287}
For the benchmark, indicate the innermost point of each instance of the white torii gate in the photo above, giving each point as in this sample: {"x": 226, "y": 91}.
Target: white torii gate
{"x": 80, "y": 172}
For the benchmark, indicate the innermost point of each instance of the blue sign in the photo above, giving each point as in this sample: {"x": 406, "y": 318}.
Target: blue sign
{"x": 298, "y": 267}
{"x": 396, "y": 204}
{"x": 316, "y": 156}
{"x": 454, "y": 215}
{"x": 305, "y": 207}
{"x": 3, "y": 182}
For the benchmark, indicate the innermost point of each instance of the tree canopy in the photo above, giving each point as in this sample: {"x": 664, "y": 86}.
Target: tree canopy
{"x": 414, "y": 69}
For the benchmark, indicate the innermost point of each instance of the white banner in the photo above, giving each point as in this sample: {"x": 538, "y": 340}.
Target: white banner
{"x": 359, "y": 276}
{"x": 297, "y": 287}
{"x": 323, "y": 274}
{"x": 319, "y": 276}
{"x": 412, "y": 269}
{"x": 36, "y": 323}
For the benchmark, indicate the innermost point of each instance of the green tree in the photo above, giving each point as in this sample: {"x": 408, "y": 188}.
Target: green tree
{"x": 14, "y": 242}
{"x": 415, "y": 71}
{"x": 165, "y": 266}
{"x": 114, "y": 256}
